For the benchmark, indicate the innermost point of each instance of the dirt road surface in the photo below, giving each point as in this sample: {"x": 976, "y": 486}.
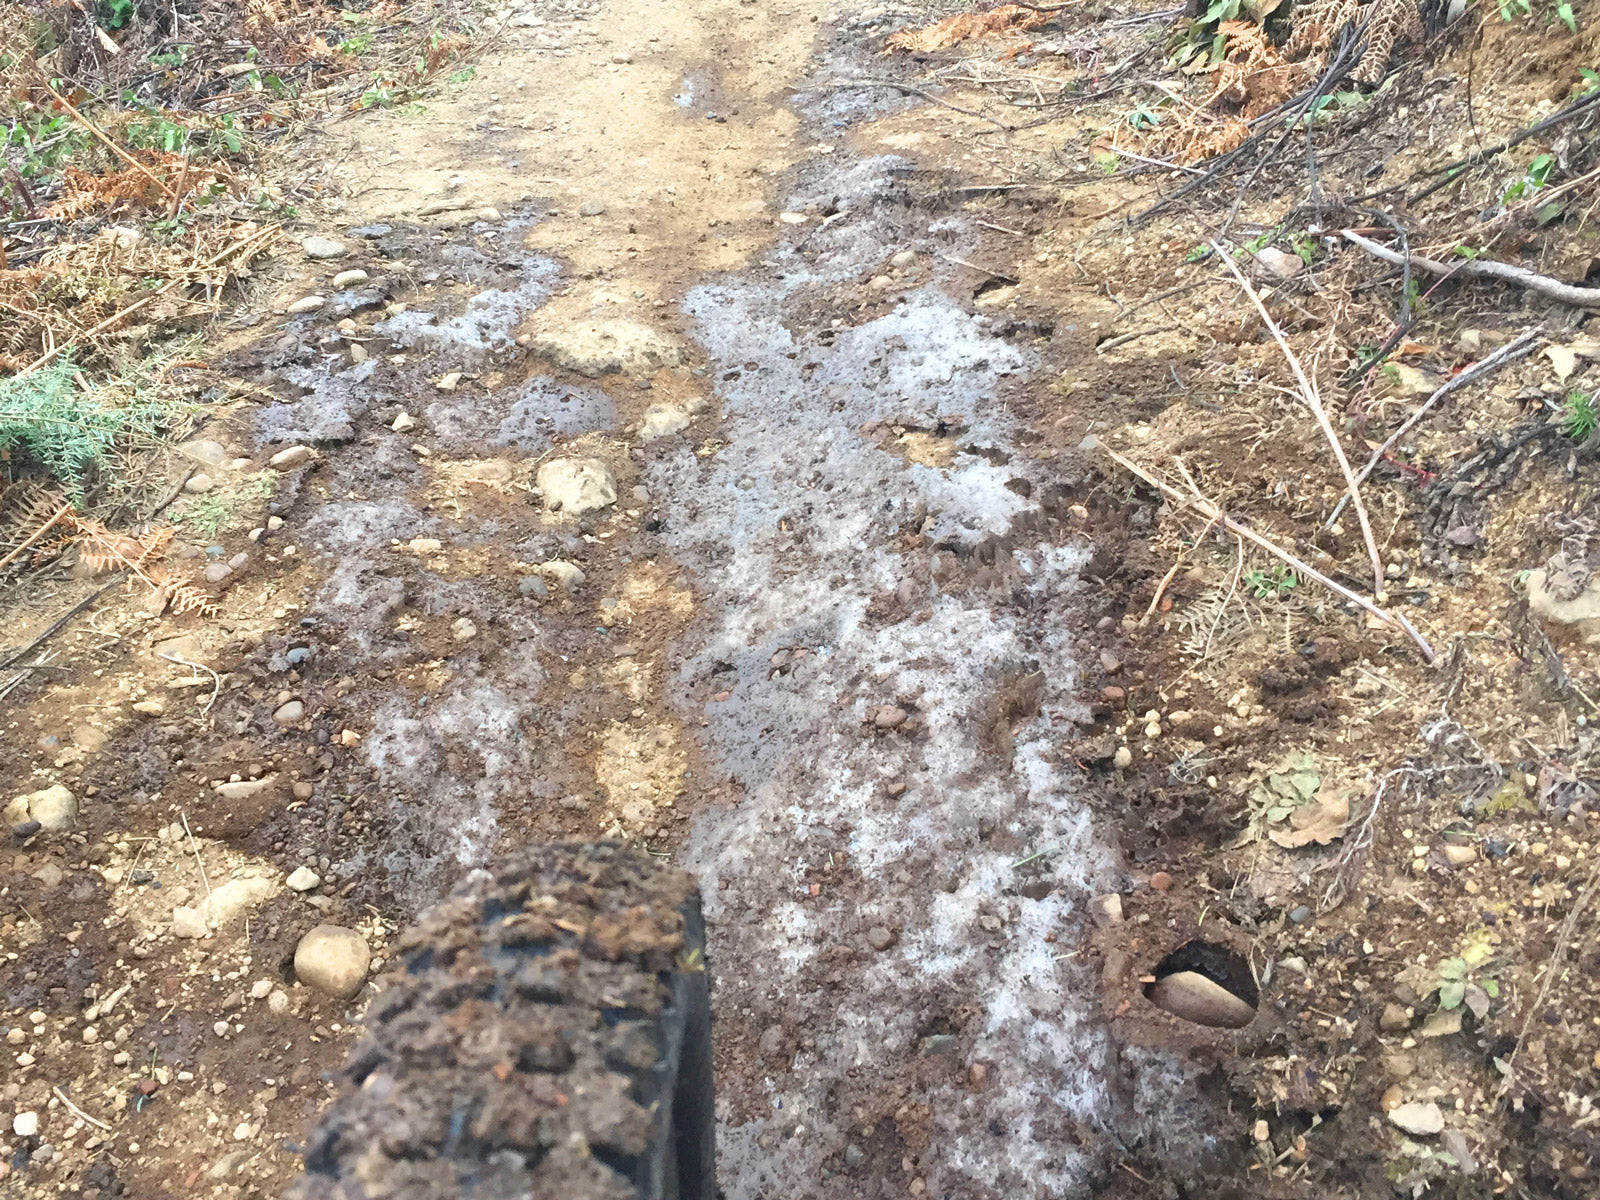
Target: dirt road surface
{"x": 648, "y": 441}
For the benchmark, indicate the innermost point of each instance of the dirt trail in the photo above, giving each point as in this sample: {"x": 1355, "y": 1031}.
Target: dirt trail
{"x": 857, "y": 705}
{"x": 815, "y": 642}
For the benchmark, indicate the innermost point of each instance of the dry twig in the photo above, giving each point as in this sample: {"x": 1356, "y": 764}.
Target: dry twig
{"x": 1566, "y": 293}
{"x": 1519, "y": 347}
{"x": 1308, "y": 394}
{"x": 112, "y": 146}
{"x": 1209, "y": 508}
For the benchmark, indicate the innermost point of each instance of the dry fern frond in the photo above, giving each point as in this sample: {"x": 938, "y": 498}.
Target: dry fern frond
{"x": 1391, "y": 21}
{"x": 1318, "y": 24}
{"x": 964, "y": 26}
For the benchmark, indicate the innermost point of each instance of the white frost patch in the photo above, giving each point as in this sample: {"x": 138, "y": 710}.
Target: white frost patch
{"x": 798, "y": 526}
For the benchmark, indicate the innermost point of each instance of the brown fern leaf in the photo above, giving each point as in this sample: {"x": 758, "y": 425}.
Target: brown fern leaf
{"x": 100, "y": 550}
{"x": 85, "y": 192}
{"x": 963, "y": 26}
{"x": 1391, "y": 21}
{"x": 1317, "y": 24}
{"x": 186, "y": 597}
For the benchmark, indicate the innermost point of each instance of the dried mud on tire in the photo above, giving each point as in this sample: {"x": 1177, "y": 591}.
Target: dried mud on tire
{"x": 548, "y": 1036}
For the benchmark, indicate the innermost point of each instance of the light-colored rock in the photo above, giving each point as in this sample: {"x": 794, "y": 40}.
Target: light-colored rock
{"x": 565, "y": 575}
{"x": 1460, "y": 855}
{"x": 333, "y": 960}
{"x": 231, "y": 901}
{"x": 278, "y": 1002}
{"x": 904, "y": 259}
{"x": 55, "y": 808}
{"x": 188, "y": 923}
{"x": 243, "y": 789}
{"x": 425, "y": 545}
{"x": 204, "y": 450}
{"x": 463, "y": 629}
{"x": 1410, "y": 380}
{"x": 449, "y": 381}
{"x": 25, "y": 1124}
{"x": 1556, "y": 599}
{"x": 302, "y": 879}
{"x": 662, "y": 420}
{"x": 324, "y": 247}
{"x": 149, "y": 708}
{"x": 290, "y": 458}
{"x": 596, "y": 348}
{"x": 349, "y": 279}
{"x": 1444, "y": 1023}
{"x": 1418, "y": 1118}
{"x": 1280, "y": 264}
{"x": 291, "y": 713}
{"x": 403, "y": 421}
{"x": 1192, "y": 996}
{"x": 1123, "y": 758}
{"x": 1107, "y": 909}
{"x": 199, "y": 483}
{"x": 307, "y": 304}
{"x": 576, "y": 485}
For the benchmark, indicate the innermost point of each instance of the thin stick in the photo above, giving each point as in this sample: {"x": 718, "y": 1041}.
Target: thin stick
{"x": 1308, "y": 393}
{"x": 60, "y": 622}
{"x": 65, "y": 511}
{"x": 1566, "y": 293}
{"x": 216, "y": 680}
{"x": 78, "y": 1112}
{"x": 1519, "y": 347}
{"x": 114, "y": 148}
{"x": 196, "y": 850}
{"x": 1209, "y": 508}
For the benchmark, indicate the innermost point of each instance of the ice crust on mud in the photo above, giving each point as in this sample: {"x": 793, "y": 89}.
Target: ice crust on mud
{"x": 795, "y": 449}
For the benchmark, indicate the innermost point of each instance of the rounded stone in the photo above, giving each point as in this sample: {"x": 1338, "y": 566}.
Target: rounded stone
{"x": 333, "y": 960}
{"x": 291, "y": 713}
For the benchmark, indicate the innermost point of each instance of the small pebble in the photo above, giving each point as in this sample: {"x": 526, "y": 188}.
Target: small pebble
{"x": 345, "y": 279}
{"x": 881, "y": 938}
{"x": 307, "y": 304}
{"x": 25, "y": 1124}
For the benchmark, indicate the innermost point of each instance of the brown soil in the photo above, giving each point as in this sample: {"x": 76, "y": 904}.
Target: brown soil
{"x": 625, "y": 708}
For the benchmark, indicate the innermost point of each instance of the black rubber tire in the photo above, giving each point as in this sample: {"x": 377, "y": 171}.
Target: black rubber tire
{"x": 547, "y": 1038}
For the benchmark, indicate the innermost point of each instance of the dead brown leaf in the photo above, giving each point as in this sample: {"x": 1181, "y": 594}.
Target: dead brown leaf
{"x": 1320, "y": 821}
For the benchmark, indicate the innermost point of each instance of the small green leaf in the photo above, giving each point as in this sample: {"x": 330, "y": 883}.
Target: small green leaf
{"x": 1451, "y": 992}
{"x": 1564, "y": 11}
{"x": 1492, "y": 986}
{"x": 1452, "y": 968}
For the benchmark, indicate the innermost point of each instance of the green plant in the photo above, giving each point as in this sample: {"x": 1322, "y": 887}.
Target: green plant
{"x": 1274, "y": 584}
{"x": 1580, "y": 416}
{"x": 1536, "y": 176}
{"x": 118, "y": 13}
{"x": 69, "y": 431}
{"x": 175, "y": 57}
